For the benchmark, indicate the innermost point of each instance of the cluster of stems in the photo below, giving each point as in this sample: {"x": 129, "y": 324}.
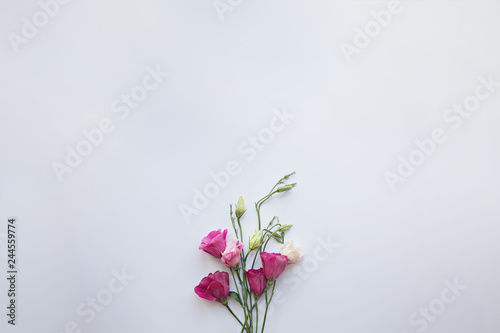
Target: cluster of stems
{"x": 244, "y": 296}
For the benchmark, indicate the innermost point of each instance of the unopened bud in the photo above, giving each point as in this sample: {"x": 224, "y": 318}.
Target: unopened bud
{"x": 286, "y": 187}
{"x": 240, "y": 207}
{"x": 285, "y": 227}
{"x": 256, "y": 240}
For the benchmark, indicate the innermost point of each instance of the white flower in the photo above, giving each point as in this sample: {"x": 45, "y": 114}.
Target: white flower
{"x": 291, "y": 251}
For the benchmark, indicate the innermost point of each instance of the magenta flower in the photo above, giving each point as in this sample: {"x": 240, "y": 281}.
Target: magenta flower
{"x": 231, "y": 255}
{"x": 214, "y": 243}
{"x": 214, "y": 287}
{"x": 257, "y": 280}
{"x": 274, "y": 264}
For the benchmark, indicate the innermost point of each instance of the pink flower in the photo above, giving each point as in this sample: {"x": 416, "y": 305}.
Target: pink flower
{"x": 274, "y": 264}
{"x": 231, "y": 255}
{"x": 257, "y": 280}
{"x": 214, "y": 243}
{"x": 214, "y": 287}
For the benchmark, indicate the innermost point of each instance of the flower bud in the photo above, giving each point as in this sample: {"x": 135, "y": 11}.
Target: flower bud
{"x": 286, "y": 187}
{"x": 240, "y": 207}
{"x": 256, "y": 240}
{"x": 285, "y": 227}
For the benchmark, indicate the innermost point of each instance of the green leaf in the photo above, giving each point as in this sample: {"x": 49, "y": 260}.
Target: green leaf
{"x": 235, "y": 296}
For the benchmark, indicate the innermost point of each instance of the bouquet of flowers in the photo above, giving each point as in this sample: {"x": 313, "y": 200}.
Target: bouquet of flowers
{"x": 253, "y": 286}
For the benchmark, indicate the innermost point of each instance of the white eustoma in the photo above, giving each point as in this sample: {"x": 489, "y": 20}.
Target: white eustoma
{"x": 291, "y": 251}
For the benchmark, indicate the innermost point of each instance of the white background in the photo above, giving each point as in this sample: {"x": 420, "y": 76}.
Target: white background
{"x": 120, "y": 207}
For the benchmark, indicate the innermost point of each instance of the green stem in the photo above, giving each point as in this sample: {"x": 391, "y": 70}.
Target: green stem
{"x": 238, "y": 290}
{"x": 260, "y": 251}
{"x": 257, "y": 315}
{"x": 232, "y": 220}
{"x": 241, "y": 230}
{"x": 267, "y": 306}
{"x": 256, "y": 254}
{"x": 257, "y": 208}
{"x": 261, "y": 201}
{"x": 239, "y": 321}
{"x": 248, "y": 253}
{"x": 251, "y": 315}
{"x": 234, "y": 279}
{"x": 264, "y": 247}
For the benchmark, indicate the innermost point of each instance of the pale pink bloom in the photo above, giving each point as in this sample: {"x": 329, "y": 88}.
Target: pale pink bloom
{"x": 231, "y": 255}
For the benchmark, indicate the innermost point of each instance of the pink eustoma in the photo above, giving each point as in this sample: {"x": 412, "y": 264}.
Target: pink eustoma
{"x": 274, "y": 264}
{"x": 231, "y": 255}
{"x": 214, "y": 287}
{"x": 257, "y": 280}
{"x": 214, "y": 243}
